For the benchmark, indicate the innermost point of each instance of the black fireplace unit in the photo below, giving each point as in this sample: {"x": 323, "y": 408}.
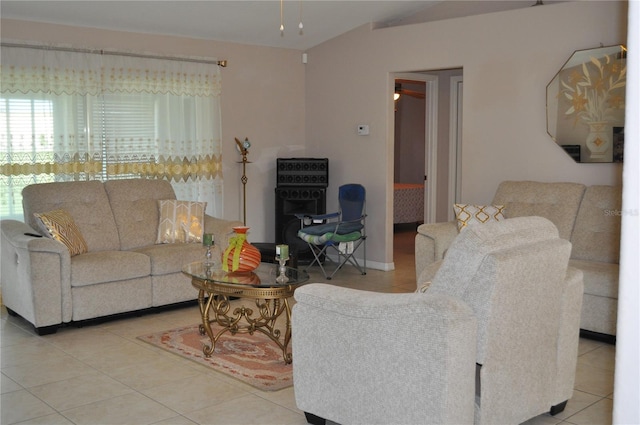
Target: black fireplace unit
{"x": 301, "y": 189}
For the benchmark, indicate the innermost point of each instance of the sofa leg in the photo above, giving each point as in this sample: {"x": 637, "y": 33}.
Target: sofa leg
{"x": 314, "y": 420}
{"x": 46, "y": 330}
{"x": 557, "y": 408}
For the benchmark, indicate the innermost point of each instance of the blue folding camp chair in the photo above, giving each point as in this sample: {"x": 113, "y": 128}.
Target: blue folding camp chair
{"x": 340, "y": 233}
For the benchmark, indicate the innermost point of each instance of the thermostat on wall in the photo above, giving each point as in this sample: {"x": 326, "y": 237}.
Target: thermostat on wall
{"x": 363, "y": 130}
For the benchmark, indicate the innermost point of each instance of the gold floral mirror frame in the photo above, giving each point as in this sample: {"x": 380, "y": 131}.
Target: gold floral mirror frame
{"x": 586, "y": 104}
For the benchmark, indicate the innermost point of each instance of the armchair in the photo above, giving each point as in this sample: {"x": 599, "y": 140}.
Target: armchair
{"x": 493, "y": 339}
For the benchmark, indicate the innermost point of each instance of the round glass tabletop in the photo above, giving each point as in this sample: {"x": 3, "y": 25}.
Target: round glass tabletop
{"x": 262, "y": 277}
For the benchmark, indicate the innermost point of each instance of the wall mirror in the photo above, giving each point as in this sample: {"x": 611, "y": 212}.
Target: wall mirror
{"x": 585, "y": 104}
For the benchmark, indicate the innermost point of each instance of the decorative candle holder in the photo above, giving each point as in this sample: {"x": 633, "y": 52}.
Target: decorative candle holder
{"x": 282, "y": 256}
{"x": 207, "y": 241}
{"x": 282, "y": 278}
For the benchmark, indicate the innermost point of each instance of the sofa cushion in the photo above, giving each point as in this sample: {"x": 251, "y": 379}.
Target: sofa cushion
{"x": 600, "y": 279}
{"x": 557, "y": 202}
{"x": 180, "y": 221}
{"x": 85, "y": 201}
{"x": 170, "y": 258}
{"x": 135, "y": 208}
{"x": 108, "y": 266}
{"x": 467, "y": 214}
{"x": 59, "y": 225}
{"x": 596, "y": 235}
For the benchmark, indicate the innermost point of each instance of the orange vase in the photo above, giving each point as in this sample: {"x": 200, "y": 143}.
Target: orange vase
{"x": 240, "y": 255}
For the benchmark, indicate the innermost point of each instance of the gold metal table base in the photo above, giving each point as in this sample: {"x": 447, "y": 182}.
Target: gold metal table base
{"x": 270, "y": 303}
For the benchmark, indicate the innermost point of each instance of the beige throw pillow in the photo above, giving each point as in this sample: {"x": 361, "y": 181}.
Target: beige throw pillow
{"x": 59, "y": 225}
{"x": 180, "y": 221}
{"x": 467, "y": 214}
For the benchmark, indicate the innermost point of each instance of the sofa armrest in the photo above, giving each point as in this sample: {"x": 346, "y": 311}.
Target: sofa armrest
{"x": 365, "y": 357}
{"x": 427, "y": 276}
{"x": 432, "y": 241}
{"x": 36, "y": 275}
{"x": 222, "y": 229}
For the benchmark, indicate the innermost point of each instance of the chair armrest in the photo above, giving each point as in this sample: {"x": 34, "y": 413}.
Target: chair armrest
{"x": 365, "y": 357}
{"x": 432, "y": 241}
{"x": 355, "y": 220}
{"x": 36, "y": 275}
{"x": 327, "y": 216}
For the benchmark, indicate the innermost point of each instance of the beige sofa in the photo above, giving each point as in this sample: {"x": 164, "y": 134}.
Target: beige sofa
{"x": 588, "y": 217}
{"x": 124, "y": 269}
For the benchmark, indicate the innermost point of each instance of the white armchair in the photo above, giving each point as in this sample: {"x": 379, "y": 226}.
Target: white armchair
{"x": 493, "y": 339}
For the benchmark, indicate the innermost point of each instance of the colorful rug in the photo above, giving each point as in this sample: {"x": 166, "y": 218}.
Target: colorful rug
{"x": 253, "y": 359}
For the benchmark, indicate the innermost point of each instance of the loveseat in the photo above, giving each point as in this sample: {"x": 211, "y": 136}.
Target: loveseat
{"x": 588, "y": 217}
{"x": 124, "y": 268}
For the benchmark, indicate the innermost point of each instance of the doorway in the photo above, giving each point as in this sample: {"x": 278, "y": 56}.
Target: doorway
{"x": 428, "y": 137}
{"x": 427, "y": 141}
{"x": 415, "y": 145}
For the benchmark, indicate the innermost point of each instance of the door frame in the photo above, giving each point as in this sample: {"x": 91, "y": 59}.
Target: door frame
{"x": 455, "y": 141}
{"x": 431, "y": 138}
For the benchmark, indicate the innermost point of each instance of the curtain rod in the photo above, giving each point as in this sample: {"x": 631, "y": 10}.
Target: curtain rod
{"x": 221, "y": 63}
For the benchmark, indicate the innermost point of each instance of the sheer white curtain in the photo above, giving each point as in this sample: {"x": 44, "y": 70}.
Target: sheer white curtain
{"x": 84, "y": 116}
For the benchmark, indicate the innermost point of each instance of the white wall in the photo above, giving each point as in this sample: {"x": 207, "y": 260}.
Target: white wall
{"x": 626, "y": 403}
{"x": 508, "y": 59}
{"x": 262, "y": 99}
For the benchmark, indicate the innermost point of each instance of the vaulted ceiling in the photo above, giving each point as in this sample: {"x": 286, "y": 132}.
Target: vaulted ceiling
{"x": 248, "y": 21}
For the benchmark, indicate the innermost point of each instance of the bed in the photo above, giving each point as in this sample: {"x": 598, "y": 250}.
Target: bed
{"x": 408, "y": 203}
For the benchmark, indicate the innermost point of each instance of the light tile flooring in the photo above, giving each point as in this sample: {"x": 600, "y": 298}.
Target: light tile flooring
{"x": 101, "y": 374}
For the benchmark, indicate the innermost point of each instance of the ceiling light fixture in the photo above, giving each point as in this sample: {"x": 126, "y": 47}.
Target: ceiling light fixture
{"x": 281, "y": 18}
{"x": 300, "y": 25}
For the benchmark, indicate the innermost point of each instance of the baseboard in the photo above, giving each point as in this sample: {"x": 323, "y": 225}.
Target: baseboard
{"x": 374, "y": 265}
{"x": 385, "y": 267}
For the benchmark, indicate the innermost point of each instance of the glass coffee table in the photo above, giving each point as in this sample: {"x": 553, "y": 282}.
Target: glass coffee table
{"x": 271, "y": 299}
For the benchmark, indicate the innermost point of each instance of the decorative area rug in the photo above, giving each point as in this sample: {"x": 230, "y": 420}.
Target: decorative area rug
{"x": 253, "y": 359}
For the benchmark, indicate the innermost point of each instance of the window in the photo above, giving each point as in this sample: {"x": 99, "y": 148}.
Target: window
{"x": 95, "y": 117}
{"x": 26, "y": 130}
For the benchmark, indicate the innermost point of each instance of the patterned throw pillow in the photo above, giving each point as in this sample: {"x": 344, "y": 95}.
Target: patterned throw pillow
{"x": 467, "y": 214}
{"x": 59, "y": 225}
{"x": 180, "y": 221}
